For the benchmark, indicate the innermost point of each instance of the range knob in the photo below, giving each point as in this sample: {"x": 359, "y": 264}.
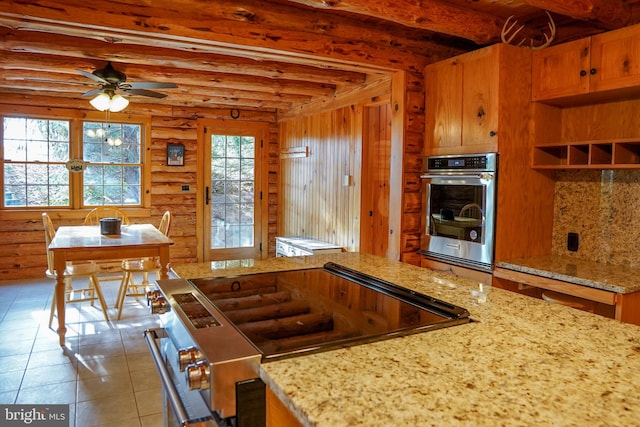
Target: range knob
{"x": 159, "y": 305}
{"x": 152, "y": 295}
{"x": 187, "y": 356}
{"x": 198, "y": 375}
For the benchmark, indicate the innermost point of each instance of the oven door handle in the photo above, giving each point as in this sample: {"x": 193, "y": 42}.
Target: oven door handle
{"x": 150, "y": 335}
{"x": 482, "y": 175}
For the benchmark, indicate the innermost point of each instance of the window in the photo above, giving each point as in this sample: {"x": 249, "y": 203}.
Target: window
{"x": 113, "y": 174}
{"x": 232, "y": 191}
{"x": 37, "y": 154}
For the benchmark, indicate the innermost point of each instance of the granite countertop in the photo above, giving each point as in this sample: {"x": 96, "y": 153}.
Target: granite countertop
{"x": 523, "y": 362}
{"x": 608, "y": 277}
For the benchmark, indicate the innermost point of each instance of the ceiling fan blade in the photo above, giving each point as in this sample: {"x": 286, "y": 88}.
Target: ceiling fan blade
{"x": 144, "y": 92}
{"x": 93, "y": 77}
{"x": 93, "y": 92}
{"x": 152, "y": 85}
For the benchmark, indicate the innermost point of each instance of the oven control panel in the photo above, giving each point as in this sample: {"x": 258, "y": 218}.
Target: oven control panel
{"x": 477, "y": 162}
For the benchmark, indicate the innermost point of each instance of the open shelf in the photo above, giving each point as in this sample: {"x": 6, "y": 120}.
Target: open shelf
{"x": 616, "y": 154}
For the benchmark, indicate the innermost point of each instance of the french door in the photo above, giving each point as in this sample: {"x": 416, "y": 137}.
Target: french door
{"x": 234, "y": 205}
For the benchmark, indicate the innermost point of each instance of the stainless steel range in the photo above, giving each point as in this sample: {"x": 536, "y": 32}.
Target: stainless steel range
{"x": 217, "y": 331}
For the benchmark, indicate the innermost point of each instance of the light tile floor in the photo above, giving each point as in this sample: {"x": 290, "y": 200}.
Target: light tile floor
{"x": 105, "y": 372}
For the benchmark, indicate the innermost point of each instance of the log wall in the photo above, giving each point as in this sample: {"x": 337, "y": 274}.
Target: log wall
{"x": 22, "y": 250}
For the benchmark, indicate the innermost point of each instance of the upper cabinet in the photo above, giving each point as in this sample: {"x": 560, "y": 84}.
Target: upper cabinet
{"x": 561, "y": 71}
{"x": 588, "y": 94}
{"x": 596, "y": 68}
{"x": 468, "y": 99}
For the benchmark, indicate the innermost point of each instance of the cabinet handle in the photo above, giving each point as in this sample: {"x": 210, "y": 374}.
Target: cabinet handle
{"x": 492, "y": 133}
{"x": 593, "y": 71}
{"x": 583, "y": 73}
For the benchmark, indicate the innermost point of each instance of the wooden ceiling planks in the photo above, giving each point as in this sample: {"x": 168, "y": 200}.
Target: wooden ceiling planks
{"x": 276, "y": 54}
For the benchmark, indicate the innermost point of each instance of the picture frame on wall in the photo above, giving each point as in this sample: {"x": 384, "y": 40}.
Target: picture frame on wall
{"x": 175, "y": 154}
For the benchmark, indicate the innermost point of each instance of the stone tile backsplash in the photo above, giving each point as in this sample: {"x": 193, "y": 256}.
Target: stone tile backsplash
{"x": 603, "y": 207}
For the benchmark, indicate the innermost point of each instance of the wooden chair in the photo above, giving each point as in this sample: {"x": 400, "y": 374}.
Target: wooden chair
{"x": 108, "y": 270}
{"x": 72, "y": 295}
{"x": 94, "y": 217}
{"x": 128, "y": 287}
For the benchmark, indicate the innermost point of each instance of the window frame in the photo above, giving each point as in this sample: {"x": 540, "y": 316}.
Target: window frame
{"x": 76, "y": 119}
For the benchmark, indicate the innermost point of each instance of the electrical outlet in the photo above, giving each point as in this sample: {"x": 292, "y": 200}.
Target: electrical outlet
{"x": 185, "y": 188}
{"x": 573, "y": 241}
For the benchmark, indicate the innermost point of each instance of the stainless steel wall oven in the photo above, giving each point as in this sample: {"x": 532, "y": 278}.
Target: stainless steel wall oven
{"x": 459, "y": 204}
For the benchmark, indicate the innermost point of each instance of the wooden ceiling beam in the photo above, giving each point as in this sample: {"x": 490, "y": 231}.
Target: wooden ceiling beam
{"x": 431, "y": 15}
{"x": 12, "y": 99}
{"x": 166, "y": 74}
{"x": 191, "y": 99}
{"x": 251, "y": 29}
{"x": 611, "y": 14}
{"x": 81, "y": 84}
{"x": 55, "y": 44}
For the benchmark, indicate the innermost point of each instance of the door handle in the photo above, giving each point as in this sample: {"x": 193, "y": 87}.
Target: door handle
{"x": 206, "y": 195}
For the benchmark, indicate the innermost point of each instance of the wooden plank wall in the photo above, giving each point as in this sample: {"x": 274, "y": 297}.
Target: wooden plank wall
{"x": 313, "y": 201}
{"x": 22, "y": 251}
{"x": 298, "y": 186}
{"x": 374, "y": 227}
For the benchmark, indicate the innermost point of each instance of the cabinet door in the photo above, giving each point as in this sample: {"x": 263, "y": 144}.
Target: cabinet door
{"x": 615, "y": 59}
{"x": 561, "y": 70}
{"x": 480, "y": 99}
{"x": 443, "y": 107}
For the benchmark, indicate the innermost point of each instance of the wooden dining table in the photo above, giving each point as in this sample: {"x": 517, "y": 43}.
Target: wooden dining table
{"x": 86, "y": 243}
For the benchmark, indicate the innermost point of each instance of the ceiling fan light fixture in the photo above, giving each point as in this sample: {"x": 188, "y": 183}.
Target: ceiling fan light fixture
{"x": 118, "y": 103}
{"x": 101, "y": 102}
{"x": 106, "y": 102}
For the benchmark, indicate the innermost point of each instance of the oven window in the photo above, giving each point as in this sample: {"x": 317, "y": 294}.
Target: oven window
{"x": 457, "y": 211}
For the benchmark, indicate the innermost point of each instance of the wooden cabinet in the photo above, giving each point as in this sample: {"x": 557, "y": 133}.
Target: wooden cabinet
{"x": 462, "y": 102}
{"x": 598, "y": 154}
{"x": 595, "y": 68}
{"x": 589, "y": 94}
{"x": 481, "y": 102}
{"x": 278, "y": 415}
{"x": 561, "y": 71}
{"x": 598, "y": 135}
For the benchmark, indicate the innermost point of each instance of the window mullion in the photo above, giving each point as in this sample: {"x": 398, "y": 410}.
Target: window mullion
{"x": 75, "y": 179}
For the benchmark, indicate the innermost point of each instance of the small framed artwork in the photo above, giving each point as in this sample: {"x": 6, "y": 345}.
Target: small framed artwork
{"x": 175, "y": 155}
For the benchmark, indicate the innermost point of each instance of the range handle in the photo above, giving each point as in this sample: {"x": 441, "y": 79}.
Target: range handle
{"x": 150, "y": 335}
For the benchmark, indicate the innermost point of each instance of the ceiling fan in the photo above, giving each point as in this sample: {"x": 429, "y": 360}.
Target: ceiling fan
{"x": 113, "y": 80}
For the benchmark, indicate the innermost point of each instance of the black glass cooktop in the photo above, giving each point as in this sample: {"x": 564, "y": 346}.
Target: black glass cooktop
{"x": 303, "y": 310}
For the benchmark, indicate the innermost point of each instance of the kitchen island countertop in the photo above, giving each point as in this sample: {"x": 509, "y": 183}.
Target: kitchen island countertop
{"x": 523, "y": 362}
